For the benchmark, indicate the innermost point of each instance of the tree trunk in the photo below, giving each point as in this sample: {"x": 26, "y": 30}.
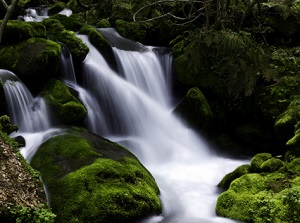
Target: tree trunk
{"x": 9, "y": 11}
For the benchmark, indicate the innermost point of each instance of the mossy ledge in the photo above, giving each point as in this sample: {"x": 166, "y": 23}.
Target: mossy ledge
{"x": 91, "y": 179}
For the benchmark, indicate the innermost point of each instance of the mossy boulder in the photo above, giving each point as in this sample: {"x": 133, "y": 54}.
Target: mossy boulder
{"x": 258, "y": 198}
{"x": 16, "y": 31}
{"x": 91, "y": 179}
{"x": 34, "y": 61}
{"x": 57, "y": 32}
{"x": 285, "y": 123}
{"x": 269, "y": 192}
{"x": 258, "y": 160}
{"x": 56, "y": 8}
{"x": 73, "y": 22}
{"x": 238, "y": 172}
{"x": 102, "y": 44}
{"x": 65, "y": 108}
{"x": 103, "y": 23}
{"x": 195, "y": 109}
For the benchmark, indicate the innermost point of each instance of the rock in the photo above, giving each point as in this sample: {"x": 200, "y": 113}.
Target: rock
{"x": 58, "y": 33}
{"x": 91, "y": 179}
{"x": 16, "y": 31}
{"x": 285, "y": 123}
{"x": 238, "y": 172}
{"x": 65, "y": 108}
{"x": 34, "y": 61}
{"x": 195, "y": 109}
{"x": 258, "y": 160}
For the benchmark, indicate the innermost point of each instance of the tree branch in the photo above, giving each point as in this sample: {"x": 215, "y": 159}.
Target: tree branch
{"x": 166, "y": 14}
{"x": 4, "y": 4}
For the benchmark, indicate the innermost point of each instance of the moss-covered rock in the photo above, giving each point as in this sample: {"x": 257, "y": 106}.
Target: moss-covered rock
{"x": 34, "y": 61}
{"x": 16, "y": 31}
{"x": 91, "y": 179}
{"x": 56, "y": 8}
{"x": 64, "y": 107}
{"x": 258, "y": 198}
{"x": 57, "y": 32}
{"x": 269, "y": 195}
{"x": 238, "y": 172}
{"x": 97, "y": 39}
{"x": 103, "y": 23}
{"x": 73, "y": 22}
{"x": 271, "y": 165}
{"x": 285, "y": 123}
{"x": 258, "y": 160}
{"x": 195, "y": 109}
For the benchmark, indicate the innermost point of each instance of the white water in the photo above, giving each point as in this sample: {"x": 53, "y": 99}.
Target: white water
{"x": 136, "y": 114}
{"x": 28, "y": 112}
{"x": 134, "y": 109}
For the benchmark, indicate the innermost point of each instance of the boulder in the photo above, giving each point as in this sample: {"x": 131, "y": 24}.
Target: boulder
{"x": 16, "y": 31}
{"x": 195, "y": 109}
{"x": 91, "y": 179}
{"x": 34, "y": 61}
{"x": 58, "y": 33}
{"x": 64, "y": 107}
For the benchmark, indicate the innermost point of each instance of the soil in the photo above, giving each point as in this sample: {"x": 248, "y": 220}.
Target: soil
{"x": 17, "y": 185}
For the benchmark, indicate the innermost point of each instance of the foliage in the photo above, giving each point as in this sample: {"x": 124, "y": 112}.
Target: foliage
{"x": 22, "y": 214}
{"x": 207, "y": 57}
{"x": 5, "y": 125}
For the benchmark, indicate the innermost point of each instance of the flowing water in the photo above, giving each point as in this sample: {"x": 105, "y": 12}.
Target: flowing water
{"x": 134, "y": 108}
{"x": 136, "y": 111}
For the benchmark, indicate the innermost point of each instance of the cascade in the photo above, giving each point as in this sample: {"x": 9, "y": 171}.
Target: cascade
{"x": 28, "y": 112}
{"x": 133, "y": 107}
{"x": 136, "y": 113}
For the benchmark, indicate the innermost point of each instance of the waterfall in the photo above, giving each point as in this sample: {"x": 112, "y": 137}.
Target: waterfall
{"x": 29, "y": 113}
{"x": 136, "y": 113}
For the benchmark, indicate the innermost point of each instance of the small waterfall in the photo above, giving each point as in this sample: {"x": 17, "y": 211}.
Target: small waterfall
{"x": 66, "y": 68}
{"x": 29, "y": 113}
{"x": 135, "y": 113}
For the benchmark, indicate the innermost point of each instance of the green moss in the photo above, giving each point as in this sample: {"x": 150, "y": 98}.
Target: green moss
{"x": 5, "y": 125}
{"x": 255, "y": 198}
{"x": 34, "y": 60}
{"x": 271, "y": 165}
{"x": 96, "y": 38}
{"x": 238, "y": 172}
{"x": 195, "y": 109}
{"x": 64, "y": 106}
{"x": 57, "y": 32}
{"x": 16, "y": 31}
{"x": 258, "y": 160}
{"x": 103, "y": 23}
{"x": 56, "y": 8}
{"x": 119, "y": 192}
{"x": 91, "y": 179}
{"x": 72, "y": 22}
